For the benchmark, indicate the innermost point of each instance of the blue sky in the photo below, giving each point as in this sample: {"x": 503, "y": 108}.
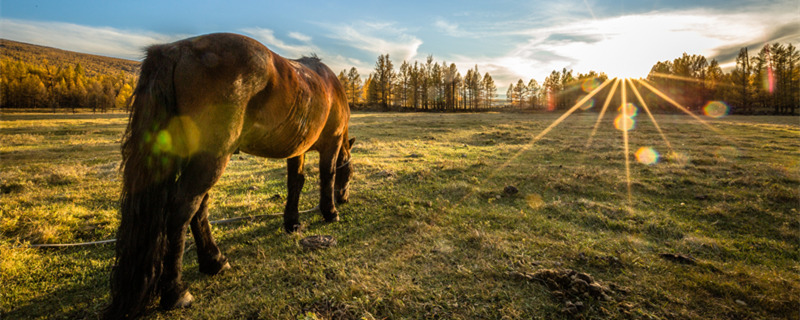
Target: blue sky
{"x": 508, "y": 39}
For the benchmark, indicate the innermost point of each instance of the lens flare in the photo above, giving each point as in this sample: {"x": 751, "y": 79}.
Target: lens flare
{"x": 624, "y": 123}
{"x": 677, "y": 105}
{"x": 163, "y": 142}
{"x": 588, "y": 85}
{"x": 602, "y": 112}
{"x": 630, "y": 110}
{"x": 647, "y": 155}
{"x": 650, "y": 115}
{"x": 716, "y": 109}
{"x": 587, "y": 105}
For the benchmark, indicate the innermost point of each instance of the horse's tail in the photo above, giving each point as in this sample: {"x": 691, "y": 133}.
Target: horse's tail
{"x": 149, "y": 173}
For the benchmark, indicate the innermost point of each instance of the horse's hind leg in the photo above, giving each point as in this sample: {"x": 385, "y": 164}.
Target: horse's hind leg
{"x": 294, "y": 183}
{"x": 209, "y": 258}
{"x": 327, "y": 170}
{"x": 196, "y": 179}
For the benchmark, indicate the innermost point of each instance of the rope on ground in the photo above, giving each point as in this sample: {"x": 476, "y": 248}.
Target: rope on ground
{"x": 80, "y": 244}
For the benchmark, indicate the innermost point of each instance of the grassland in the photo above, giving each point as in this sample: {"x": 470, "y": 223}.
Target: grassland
{"x": 710, "y": 231}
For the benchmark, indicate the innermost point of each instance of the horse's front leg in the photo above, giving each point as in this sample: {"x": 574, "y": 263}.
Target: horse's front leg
{"x": 327, "y": 171}
{"x": 294, "y": 184}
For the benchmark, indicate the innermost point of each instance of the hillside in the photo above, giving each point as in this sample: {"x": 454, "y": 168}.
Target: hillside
{"x": 38, "y": 77}
{"x": 92, "y": 64}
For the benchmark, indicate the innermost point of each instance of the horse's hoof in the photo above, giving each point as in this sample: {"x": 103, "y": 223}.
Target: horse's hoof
{"x": 184, "y": 301}
{"x": 214, "y": 267}
{"x": 291, "y": 228}
{"x": 333, "y": 217}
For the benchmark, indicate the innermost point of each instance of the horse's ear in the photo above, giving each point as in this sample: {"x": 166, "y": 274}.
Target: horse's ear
{"x": 352, "y": 140}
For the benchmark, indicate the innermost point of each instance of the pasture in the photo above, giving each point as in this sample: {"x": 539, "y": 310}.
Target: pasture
{"x": 710, "y": 230}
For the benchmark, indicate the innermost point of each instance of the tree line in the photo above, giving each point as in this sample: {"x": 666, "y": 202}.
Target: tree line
{"x": 427, "y": 86}
{"x": 765, "y": 83}
{"x": 40, "y": 84}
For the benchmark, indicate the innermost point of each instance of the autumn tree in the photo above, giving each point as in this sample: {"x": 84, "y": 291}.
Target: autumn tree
{"x": 354, "y": 86}
{"x": 383, "y": 80}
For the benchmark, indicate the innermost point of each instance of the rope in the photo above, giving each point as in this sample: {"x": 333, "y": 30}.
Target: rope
{"x": 80, "y": 244}
{"x": 344, "y": 164}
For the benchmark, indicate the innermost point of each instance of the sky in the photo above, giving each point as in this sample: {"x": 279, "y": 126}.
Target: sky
{"x": 510, "y": 40}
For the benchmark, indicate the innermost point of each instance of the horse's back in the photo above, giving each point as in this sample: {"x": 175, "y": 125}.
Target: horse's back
{"x": 231, "y": 91}
{"x": 214, "y": 78}
{"x": 304, "y": 108}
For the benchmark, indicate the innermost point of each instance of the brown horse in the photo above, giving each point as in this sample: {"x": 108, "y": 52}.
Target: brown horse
{"x": 197, "y": 101}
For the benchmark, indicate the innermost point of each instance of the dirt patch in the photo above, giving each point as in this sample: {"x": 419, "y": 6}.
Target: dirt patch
{"x": 679, "y": 258}
{"x": 575, "y": 289}
{"x": 317, "y": 242}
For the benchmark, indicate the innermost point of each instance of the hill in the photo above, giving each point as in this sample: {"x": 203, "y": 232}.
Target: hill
{"x": 38, "y": 77}
{"x": 92, "y": 64}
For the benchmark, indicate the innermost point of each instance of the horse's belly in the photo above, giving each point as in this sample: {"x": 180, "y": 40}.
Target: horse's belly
{"x": 276, "y": 145}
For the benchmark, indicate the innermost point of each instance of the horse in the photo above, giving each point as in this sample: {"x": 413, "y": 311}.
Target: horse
{"x": 196, "y": 102}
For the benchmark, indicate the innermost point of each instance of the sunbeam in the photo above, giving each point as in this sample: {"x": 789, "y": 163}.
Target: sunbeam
{"x": 625, "y": 128}
{"x": 603, "y": 111}
{"x": 546, "y": 130}
{"x": 677, "y": 105}
{"x": 688, "y": 79}
{"x": 649, "y": 114}
{"x": 568, "y": 113}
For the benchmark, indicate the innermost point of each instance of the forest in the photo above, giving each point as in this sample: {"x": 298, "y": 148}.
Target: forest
{"x": 767, "y": 82}
{"x": 35, "y": 77}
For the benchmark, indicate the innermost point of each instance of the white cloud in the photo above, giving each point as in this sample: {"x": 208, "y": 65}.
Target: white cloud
{"x": 449, "y": 28}
{"x": 128, "y": 44}
{"x": 268, "y": 38}
{"x": 106, "y": 41}
{"x": 299, "y": 37}
{"x": 378, "y": 38}
{"x": 628, "y": 46}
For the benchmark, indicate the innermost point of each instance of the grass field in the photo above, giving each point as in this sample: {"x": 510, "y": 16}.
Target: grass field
{"x": 711, "y": 230}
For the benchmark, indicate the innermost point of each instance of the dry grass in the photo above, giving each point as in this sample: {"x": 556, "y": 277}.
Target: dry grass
{"x": 430, "y": 231}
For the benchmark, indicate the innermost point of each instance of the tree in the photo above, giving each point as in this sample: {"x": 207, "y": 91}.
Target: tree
{"x": 383, "y": 79}
{"x": 519, "y": 93}
{"x": 552, "y": 87}
{"x": 741, "y": 78}
{"x": 452, "y": 81}
{"x": 345, "y": 81}
{"x": 533, "y": 90}
{"x": 510, "y": 95}
{"x": 490, "y": 90}
{"x": 354, "y": 81}
{"x": 403, "y": 85}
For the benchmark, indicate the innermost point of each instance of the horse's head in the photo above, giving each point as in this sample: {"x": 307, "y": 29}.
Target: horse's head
{"x": 344, "y": 171}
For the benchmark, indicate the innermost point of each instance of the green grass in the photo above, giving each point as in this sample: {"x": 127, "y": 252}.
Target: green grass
{"x": 429, "y": 231}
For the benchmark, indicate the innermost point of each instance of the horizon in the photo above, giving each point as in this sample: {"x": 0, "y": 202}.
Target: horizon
{"x": 508, "y": 40}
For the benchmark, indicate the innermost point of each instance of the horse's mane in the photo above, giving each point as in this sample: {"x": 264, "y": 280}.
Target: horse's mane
{"x": 312, "y": 59}
{"x": 313, "y": 62}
